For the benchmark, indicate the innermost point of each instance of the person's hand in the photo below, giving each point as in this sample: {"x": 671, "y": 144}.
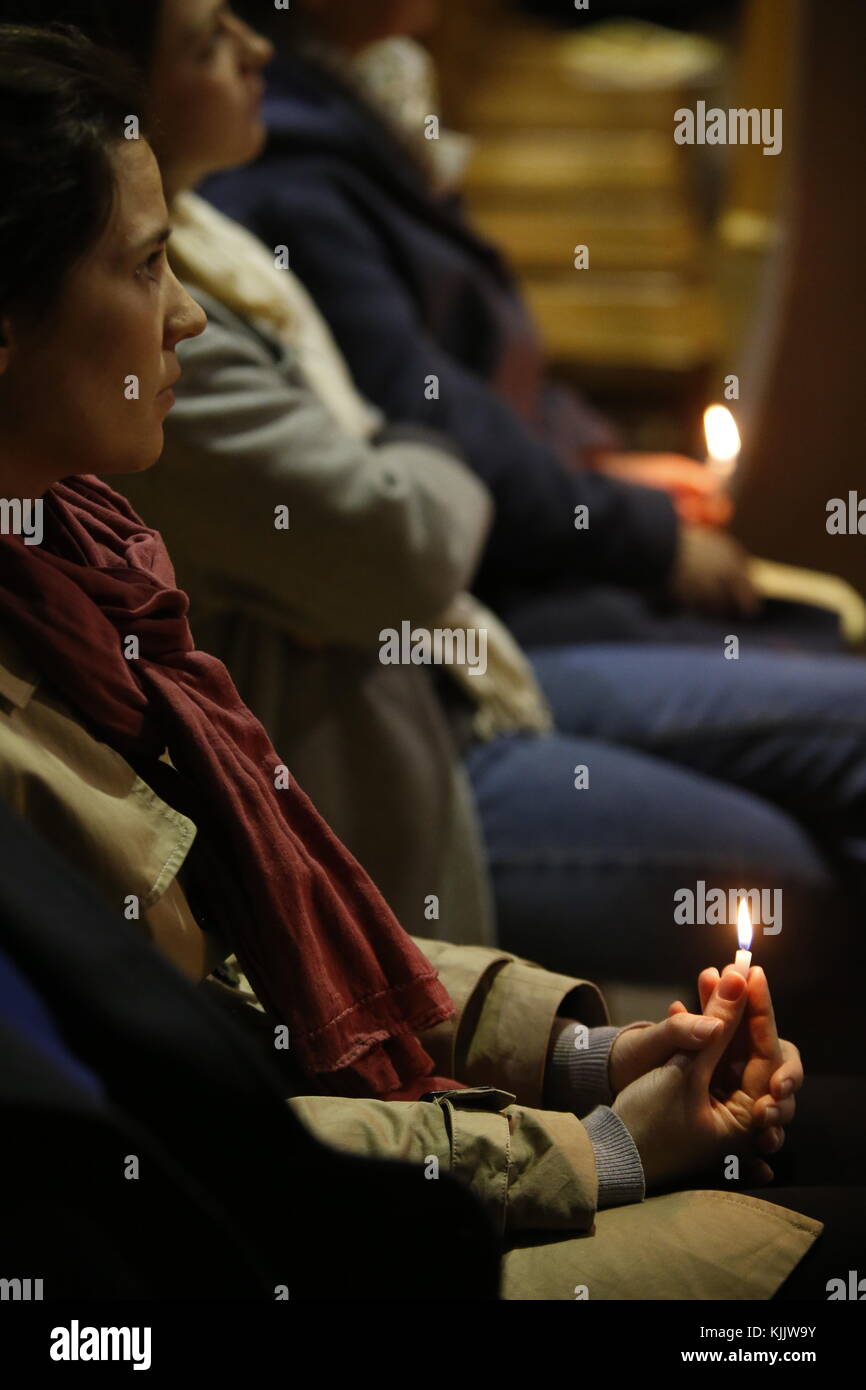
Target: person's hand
{"x": 710, "y": 572}
{"x": 694, "y": 488}
{"x": 681, "y": 1115}
{"x": 767, "y": 1067}
{"x": 643, "y": 1046}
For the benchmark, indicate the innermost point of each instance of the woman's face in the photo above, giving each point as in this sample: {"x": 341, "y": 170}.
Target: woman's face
{"x": 84, "y": 389}
{"x": 205, "y": 89}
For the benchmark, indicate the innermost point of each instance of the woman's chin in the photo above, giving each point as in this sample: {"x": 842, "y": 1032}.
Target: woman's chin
{"x": 258, "y": 135}
{"x": 136, "y": 463}
{"x": 242, "y": 152}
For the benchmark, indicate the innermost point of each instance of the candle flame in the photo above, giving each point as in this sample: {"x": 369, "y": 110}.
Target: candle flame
{"x": 723, "y": 440}
{"x": 744, "y": 926}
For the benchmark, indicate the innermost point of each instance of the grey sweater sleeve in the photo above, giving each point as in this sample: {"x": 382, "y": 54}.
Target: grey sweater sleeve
{"x": 577, "y": 1077}
{"x": 578, "y": 1080}
{"x": 617, "y": 1161}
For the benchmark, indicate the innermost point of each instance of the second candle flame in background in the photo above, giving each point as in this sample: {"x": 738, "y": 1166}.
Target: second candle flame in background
{"x": 723, "y": 441}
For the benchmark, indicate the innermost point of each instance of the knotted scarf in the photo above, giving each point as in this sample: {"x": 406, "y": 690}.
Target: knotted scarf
{"x": 322, "y": 949}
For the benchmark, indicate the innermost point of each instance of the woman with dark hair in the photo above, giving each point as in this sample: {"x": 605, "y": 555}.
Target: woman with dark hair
{"x": 380, "y": 524}
{"x": 103, "y": 693}
{"x": 666, "y": 768}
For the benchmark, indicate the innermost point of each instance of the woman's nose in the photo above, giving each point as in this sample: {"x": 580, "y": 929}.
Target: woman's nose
{"x": 257, "y": 51}
{"x": 186, "y": 319}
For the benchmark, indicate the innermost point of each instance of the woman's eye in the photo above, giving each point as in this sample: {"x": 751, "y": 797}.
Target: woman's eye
{"x": 153, "y": 263}
{"x": 211, "y": 44}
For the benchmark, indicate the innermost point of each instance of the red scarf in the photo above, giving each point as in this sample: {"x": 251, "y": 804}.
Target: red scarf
{"x": 325, "y": 954}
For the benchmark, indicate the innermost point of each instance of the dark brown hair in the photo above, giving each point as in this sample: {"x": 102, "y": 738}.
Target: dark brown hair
{"x": 129, "y": 27}
{"x": 64, "y": 105}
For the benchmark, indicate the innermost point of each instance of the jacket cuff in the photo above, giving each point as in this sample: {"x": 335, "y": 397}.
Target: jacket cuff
{"x": 523, "y": 1002}
{"x": 617, "y": 1161}
{"x": 506, "y": 1009}
{"x": 533, "y": 1170}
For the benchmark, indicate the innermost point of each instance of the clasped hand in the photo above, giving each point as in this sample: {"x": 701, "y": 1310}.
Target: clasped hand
{"x": 697, "y": 1087}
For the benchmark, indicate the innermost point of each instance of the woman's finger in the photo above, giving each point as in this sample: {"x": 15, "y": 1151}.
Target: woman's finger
{"x": 655, "y": 1044}
{"x": 769, "y": 1111}
{"x": 728, "y": 1004}
{"x": 759, "y": 1173}
{"x": 770, "y": 1140}
{"x": 788, "y": 1078}
{"x": 707, "y": 981}
{"x": 687, "y": 1032}
{"x": 763, "y": 1034}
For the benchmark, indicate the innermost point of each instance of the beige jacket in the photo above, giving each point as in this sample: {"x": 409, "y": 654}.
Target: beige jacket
{"x": 533, "y": 1170}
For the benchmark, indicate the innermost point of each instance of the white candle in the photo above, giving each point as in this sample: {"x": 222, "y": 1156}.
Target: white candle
{"x": 743, "y": 958}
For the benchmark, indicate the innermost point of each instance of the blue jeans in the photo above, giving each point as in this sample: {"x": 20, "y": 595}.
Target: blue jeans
{"x": 737, "y": 774}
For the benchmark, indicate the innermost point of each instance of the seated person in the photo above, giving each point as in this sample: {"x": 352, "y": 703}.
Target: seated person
{"x": 105, "y": 693}
{"x": 434, "y": 330}
{"x": 694, "y": 764}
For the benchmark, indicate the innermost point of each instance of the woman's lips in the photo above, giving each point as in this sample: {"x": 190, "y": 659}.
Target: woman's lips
{"x": 166, "y": 396}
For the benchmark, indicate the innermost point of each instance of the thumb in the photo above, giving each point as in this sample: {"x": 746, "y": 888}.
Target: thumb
{"x": 680, "y": 1032}
{"x": 727, "y": 1003}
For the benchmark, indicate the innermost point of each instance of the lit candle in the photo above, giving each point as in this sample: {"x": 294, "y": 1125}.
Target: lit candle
{"x": 723, "y": 442}
{"x": 743, "y": 958}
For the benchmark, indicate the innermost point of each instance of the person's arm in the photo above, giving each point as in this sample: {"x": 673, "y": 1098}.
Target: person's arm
{"x": 532, "y": 1170}
{"x": 376, "y": 534}
{"x": 347, "y": 266}
{"x": 506, "y": 1013}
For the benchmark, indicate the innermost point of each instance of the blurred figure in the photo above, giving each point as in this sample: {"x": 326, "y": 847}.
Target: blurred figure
{"x": 434, "y": 331}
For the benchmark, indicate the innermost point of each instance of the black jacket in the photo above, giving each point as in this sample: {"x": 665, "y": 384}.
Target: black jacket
{"x": 410, "y": 292}
{"x": 106, "y": 1051}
